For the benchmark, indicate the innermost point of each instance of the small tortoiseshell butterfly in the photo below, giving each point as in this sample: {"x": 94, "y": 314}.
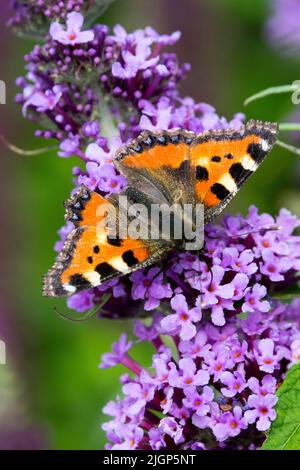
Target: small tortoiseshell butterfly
{"x": 162, "y": 167}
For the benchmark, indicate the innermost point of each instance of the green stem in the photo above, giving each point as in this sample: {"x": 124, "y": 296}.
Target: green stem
{"x": 272, "y": 91}
{"x": 289, "y": 126}
{"x": 27, "y": 153}
{"x": 289, "y": 147}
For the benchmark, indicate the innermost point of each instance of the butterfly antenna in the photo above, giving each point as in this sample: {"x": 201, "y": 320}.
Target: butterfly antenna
{"x": 204, "y": 260}
{"x": 167, "y": 264}
{"x": 261, "y": 230}
{"x": 90, "y": 314}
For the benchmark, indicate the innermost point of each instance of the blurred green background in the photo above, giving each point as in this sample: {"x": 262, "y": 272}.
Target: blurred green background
{"x": 51, "y": 390}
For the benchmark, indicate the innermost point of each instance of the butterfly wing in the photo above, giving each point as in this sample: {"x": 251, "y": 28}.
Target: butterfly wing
{"x": 165, "y": 167}
{"x": 93, "y": 255}
{"x": 223, "y": 160}
{"x": 156, "y": 166}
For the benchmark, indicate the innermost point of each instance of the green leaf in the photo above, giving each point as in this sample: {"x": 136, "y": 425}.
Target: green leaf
{"x": 285, "y": 430}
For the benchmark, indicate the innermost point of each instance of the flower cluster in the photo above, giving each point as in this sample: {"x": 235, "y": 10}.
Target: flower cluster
{"x": 228, "y": 349}
{"x": 93, "y": 90}
{"x": 245, "y": 261}
{"x": 32, "y": 17}
{"x": 232, "y": 341}
{"x": 283, "y": 26}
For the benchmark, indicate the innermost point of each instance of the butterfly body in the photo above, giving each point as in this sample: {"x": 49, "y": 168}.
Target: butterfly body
{"x": 176, "y": 169}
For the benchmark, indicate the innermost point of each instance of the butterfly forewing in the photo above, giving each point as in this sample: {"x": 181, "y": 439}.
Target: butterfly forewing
{"x": 224, "y": 160}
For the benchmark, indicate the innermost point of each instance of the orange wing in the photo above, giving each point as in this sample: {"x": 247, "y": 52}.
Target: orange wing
{"x": 91, "y": 254}
{"x": 223, "y": 160}
{"x": 156, "y": 166}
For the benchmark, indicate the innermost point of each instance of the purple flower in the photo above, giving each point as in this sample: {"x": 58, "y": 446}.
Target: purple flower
{"x": 140, "y": 60}
{"x": 238, "y": 350}
{"x": 240, "y": 262}
{"x": 63, "y": 233}
{"x": 198, "y": 402}
{"x": 235, "y": 382}
{"x": 295, "y": 350}
{"x": 261, "y": 411}
{"x": 41, "y": 100}
{"x": 139, "y": 396}
{"x": 187, "y": 374}
{"x": 109, "y": 181}
{"x": 119, "y": 350}
{"x": 170, "y": 427}
{"x": 253, "y": 300}
{"x": 231, "y": 424}
{"x": 274, "y": 267}
{"x": 148, "y": 333}
{"x": 82, "y": 301}
{"x": 156, "y": 439}
{"x": 162, "y": 114}
{"x": 183, "y": 320}
{"x": 96, "y": 153}
{"x": 131, "y": 437}
{"x": 198, "y": 347}
{"x": 69, "y": 146}
{"x": 103, "y": 177}
{"x": 265, "y": 356}
{"x": 218, "y": 362}
{"x": 239, "y": 284}
{"x": 150, "y": 287}
{"x": 91, "y": 129}
{"x": 267, "y": 387}
{"x": 283, "y": 26}
{"x": 73, "y": 34}
{"x": 162, "y": 369}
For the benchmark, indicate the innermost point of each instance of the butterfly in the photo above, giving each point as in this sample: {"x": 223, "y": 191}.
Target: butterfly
{"x": 160, "y": 167}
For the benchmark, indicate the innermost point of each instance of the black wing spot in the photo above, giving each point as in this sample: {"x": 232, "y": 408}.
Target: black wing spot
{"x": 77, "y": 280}
{"x": 105, "y": 270}
{"x": 256, "y": 152}
{"x": 238, "y": 172}
{"x": 114, "y": 241}
{"x": 229, "y": 156}
{"x": 90, "y": 259}
{"x": 220, "y": 191}
{"x": 96, "y": 249}
{"x": 129, "y": 258}
{"x": 216, "y": 159}
{"x": 201, "y": 173}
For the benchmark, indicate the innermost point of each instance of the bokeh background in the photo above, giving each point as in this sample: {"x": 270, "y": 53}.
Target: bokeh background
{"x": 51, "y": 390}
